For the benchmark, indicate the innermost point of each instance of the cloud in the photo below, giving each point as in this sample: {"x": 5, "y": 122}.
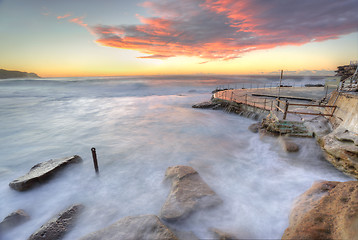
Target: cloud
{"x": 64, "y": 16}
{"x": 227, "y": 29}
{"x": 79, "y": 21}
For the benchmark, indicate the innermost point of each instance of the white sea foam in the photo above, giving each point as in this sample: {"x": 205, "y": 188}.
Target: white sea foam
{"x": 139, "y": 128}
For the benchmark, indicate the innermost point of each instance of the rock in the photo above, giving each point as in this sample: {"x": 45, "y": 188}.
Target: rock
{"x": 221, "y": 235}
{"x": 205, "y": 105}
{"x": 328, "y": 210}
{"x": 255, "y": 127}
{"x": 345, "y": 135}
{"x": 185, "y": 235}
{"x": 288, "y": 145}
{"x": 320, "y": 126}
{"x": 58, "y": 226}
{"x": 341, "y": 152}
{"x": 134, "y": 228}
{"x": 188, "y": 193}
{"x": 14, "y": 219}
{"x": 42, "y": 172}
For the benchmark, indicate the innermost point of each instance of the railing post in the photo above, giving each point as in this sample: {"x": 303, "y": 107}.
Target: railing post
{"x": 231, "y": 95}
{"x": 278, "y": 104}
{"x": 271, "y": 104}
{"x": 265, "y": 104}
{"x": 286, "y": 108}
{"x": 246, "y": 99}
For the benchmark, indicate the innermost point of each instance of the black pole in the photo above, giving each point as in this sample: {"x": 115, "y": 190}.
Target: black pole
{"x": 95, "y": 163}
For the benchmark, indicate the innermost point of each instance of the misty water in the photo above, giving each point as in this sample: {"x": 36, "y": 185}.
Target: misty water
{"x": 140, "y": 126}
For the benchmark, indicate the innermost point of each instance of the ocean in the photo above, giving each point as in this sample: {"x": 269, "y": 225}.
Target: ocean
{"x": 140, "y": 126}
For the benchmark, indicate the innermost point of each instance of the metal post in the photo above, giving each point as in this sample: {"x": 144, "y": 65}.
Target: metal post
{"x": 271, "y": 104}
{"x": 286, "y": 108}
{"x": 279, "y": 87}
{"x": 265, "y": 104}
{"x": 231, "y": 95}
{"x": 95, "y": 163}
{"x": 246, "y": 99}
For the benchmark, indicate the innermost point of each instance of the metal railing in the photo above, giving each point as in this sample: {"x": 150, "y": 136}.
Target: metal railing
{"x": 287, "y": 104}
{"x": 269, "y": 105}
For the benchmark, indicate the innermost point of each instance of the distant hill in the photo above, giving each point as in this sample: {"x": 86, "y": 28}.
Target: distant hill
{"x": 16, "y": 74}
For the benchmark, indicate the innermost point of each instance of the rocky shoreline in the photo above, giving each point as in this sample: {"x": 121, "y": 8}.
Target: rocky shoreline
{"x": 189, "y": 193}
{"x": 328, "y": 210}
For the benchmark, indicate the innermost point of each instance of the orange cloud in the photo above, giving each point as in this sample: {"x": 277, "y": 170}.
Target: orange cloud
{"x": 79, "y": 21}
{"x": 64, "y": 16}
{"x": 226, "y": 29}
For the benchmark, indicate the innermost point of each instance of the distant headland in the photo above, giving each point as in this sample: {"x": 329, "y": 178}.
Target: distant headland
{"x": 16, "y": 74}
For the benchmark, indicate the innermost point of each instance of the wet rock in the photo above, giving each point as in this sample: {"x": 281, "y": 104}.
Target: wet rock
{"x": 288, "y": 145}
{"x": 341, "y": 151}
{"x": 255, "y": 127}
{"x": 328, "y": 210}
{"x": 205, "y": 105}
{"x": 320, "y": 126}
{"x": 14, "y": 219}
{"x": 41, "y": 172}
{"x": 134, "y": 228}
{"x": 345, "y": 135}
{"x": 221, "y": 235}
{"x": 188, "y": 193}
{"x": 185, "y": 235}
{"x": 58, "y": 226}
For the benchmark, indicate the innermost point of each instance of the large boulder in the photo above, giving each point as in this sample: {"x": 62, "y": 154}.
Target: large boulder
{"x": 14, "y": 219}
{"x": 42, "y": 172}
{"x": 134, "y": 228}
{"x": 188, "y": 193}
{"x": 58, "y": 226}
{"x": 328, "y": 210}
{"x": 341, "y": 148}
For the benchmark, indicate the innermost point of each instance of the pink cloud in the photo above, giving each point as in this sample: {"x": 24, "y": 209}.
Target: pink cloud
{"x": 227, "y": 29}
{"x": 79, "y": 21}
{"x": 64, "y": 16}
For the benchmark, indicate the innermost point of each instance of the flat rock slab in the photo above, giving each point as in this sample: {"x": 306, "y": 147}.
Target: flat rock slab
{"x": 14, "y": 219}
{"x": 204, "y": 105}
{"x": 188, "y": 193}
{"x": 328, "y": 210}
{"x": 42, "y": 172}
{"x": 134, "y": 228}
{"x": 58, "y": 226}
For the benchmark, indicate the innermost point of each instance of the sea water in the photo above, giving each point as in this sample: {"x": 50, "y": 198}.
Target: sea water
{"x": 140, "y": 126}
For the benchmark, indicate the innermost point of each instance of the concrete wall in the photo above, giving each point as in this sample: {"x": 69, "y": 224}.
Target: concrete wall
{"x": 346, "y": 114}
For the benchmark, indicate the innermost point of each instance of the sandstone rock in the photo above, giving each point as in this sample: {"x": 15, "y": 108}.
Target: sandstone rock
{"x": 185, "y": 235}
{"x": 42, "y": 172}
{"x": 328, "y": 210}
{"x": 342, "y": 153}
{"x": 134, "y": 228}
{"x": 14, "y": 219}
{"x": 345, "y": 135}
{"x": 288, "y": 145}
{"x": 188, "y": 193}
{"x": 57, "y": 227}
{"x": 255, "y": 127}
{"x": 221, "y": 235}
{"x": 204, "y": 105}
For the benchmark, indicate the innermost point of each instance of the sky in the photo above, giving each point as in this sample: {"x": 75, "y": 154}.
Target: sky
{"x": 64, "y": 38}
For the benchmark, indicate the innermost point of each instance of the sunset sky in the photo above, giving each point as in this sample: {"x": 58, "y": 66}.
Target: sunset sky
{"x": 120, "y": 37}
